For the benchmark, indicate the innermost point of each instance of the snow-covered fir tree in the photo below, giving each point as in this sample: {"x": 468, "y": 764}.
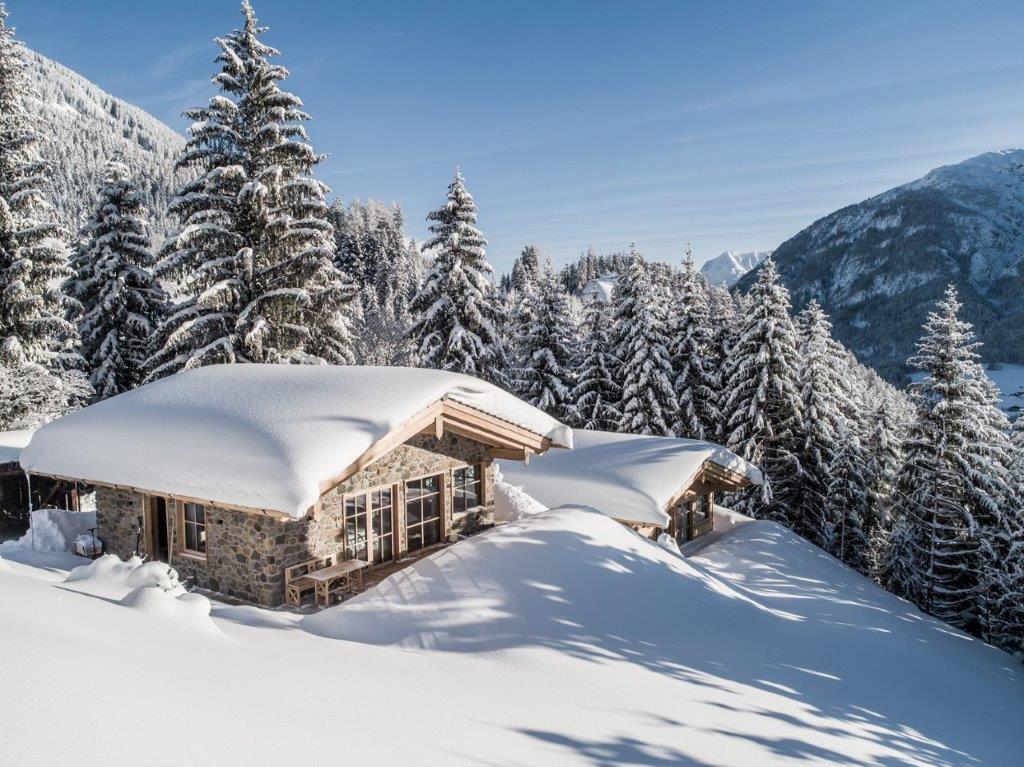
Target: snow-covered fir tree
{"x": 252, "y": 258}
{"x": 526, "y": 271}
{"x": 31, "y": 395}
{"x": 824, "y": 404}
{"x": 883, "y": 429}
{"x": 33, "y": 258}
{"x": 695, "y": 365}
{"x": 371, "y": 248}
{"x": 845, "y": 502}
{"x": 953, "y": 502}
{"x": 648, "y": 404}
{"x": 595, "y": 399}
{"x": 762, "y": 402}
{"x": 455, "y": 321}
{"x": 121, "y": 303}
{"x": 544, "y": 373}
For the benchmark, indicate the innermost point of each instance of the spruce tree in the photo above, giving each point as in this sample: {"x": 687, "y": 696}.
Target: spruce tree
{"x": 845, "y": 503}
{"x": 648, "y": 404}
{"x": 544, "y": 375}
{"x": 371, "y": 249}
{"x": 762, "y": 403}
{"x": 695, "y": 364}
{"x": 952, "y": 495}
{"x": 594, "y": 400}
{"x": 121, "y": 303}
{"x": 455, "y": 322}
{"x": 526, "y": 271}
{"x": 33, "y": 259}
{"x": 823, "y": 407}
{"x": 252, "y": 258}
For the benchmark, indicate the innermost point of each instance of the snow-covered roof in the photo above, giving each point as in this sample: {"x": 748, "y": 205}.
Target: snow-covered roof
{"x": 600, "y": 289}
{"x": 11, "y": 443}
{"x": 626, "y": 476}
{"x": 257, "y": 436}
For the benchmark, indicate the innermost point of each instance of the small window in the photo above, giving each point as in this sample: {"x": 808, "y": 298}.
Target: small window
{"x": 195, "y": 528}
{"x": 702, "y": 509}
{"x": 466, "y": 489}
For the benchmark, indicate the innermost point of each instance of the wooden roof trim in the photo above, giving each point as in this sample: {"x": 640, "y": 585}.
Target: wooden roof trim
{"x": 421, "y": 421}
{"x": 526, "y": 436}
{"x": 274, "y": 513}
{"x": 718, "y": 473}
{"x": 446, "y": 415}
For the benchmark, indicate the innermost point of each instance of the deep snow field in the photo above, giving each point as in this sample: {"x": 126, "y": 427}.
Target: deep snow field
{"x": 561, "y": 638}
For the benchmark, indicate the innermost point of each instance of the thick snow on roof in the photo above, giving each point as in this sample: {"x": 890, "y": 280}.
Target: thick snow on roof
{"x": 626, "y": 476}
{"x": 11, "y": 443}
{"x": 260, "y": 436}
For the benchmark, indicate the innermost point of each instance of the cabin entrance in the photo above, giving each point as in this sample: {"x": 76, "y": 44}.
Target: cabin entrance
{"x": 157, "y": 546}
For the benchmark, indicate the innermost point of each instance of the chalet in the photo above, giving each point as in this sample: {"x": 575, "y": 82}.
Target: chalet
{"x": 652, "y": 484}
{"x": 246, "y": 477}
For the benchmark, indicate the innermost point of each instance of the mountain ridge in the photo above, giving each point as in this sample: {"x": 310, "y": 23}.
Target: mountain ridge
{"x": 84, "y": 127}
{"x": 879, "y": 265}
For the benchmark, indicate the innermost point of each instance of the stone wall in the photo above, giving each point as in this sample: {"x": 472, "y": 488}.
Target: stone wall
{"x": 246, "y": 553}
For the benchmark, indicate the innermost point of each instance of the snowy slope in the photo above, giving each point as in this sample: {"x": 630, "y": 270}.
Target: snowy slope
{"x": 83, "y": 127}
{"x": 564, "y": 639}
{"x": 879, "y": 265}
{"x": 724, "y": 270}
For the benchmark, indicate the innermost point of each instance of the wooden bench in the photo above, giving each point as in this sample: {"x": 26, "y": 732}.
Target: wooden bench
{"x": 298, "y": 584}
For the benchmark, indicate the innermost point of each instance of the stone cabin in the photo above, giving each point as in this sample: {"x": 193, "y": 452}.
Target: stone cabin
{"x": 232, "y": 473}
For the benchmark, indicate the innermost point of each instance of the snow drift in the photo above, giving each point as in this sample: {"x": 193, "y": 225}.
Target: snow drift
{"x": 564, "y": 639}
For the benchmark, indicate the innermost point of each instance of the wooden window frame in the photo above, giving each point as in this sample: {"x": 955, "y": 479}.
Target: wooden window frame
{"x": 481, "y": 473}
{"x": 367, "y": 555}
{"x": 443, "y": 491}
{"x": 182, "y": 549}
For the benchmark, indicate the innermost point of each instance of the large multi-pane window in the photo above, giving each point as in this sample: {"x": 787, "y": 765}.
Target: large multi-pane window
{"x": 369, "y": 526}
{"x": 355, "y": 526}
{"x": 382, "y": 546}
{"x": 466, "y": 489}
{"x": 423, "y": 512}
{"x": 702, "y": 508}
{"x": 194, "y": 523}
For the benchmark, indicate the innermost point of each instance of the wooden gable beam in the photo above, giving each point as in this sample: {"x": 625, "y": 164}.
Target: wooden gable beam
{"x": 488, "y": 422}
{"x": 422, "y": 421}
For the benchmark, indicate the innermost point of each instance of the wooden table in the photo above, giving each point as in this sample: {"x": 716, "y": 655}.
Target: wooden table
{"x": 343, "y": 571}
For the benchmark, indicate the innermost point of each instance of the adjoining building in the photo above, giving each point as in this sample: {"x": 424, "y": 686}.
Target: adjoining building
{"x": 652, "y": 484}
{"x": 17, "y": 496}
{"x": 235, "y": 473}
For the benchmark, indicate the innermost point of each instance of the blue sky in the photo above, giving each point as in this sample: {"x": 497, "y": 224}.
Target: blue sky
{"x": 731, "y": 125}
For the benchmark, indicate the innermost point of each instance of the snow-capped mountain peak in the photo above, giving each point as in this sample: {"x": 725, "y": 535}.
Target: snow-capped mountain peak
{"x": 724, "y": 270}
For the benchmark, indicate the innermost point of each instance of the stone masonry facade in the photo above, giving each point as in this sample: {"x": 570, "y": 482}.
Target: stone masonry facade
{"x": 246, "y": 552}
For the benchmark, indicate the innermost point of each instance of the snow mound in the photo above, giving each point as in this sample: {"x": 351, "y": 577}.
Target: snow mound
{"x": 512, "y": 503}
{"x": 105, "y": 576}
{"x": 259, "y": 436}
{"x": 53, "y": 530}
{"x": 186, "y": 610}
{"x": 109, "y": 576}
{"x": 570, "y": 578}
